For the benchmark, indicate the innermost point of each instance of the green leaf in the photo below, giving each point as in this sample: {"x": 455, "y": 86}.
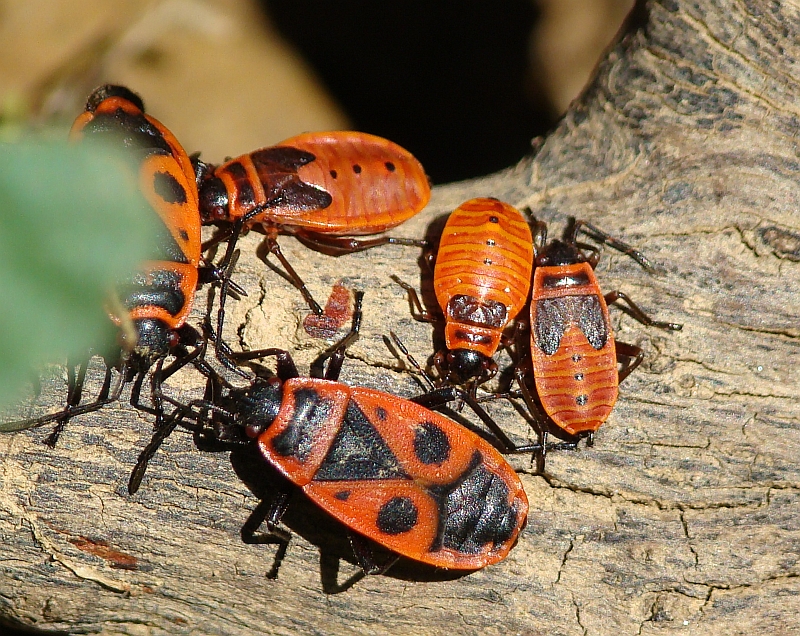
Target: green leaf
{"x": 72, "y": 223}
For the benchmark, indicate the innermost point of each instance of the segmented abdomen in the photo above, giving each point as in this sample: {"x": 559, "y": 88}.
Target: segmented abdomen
{"x": 577, "y": 385}
{"x": 485, "y": 252}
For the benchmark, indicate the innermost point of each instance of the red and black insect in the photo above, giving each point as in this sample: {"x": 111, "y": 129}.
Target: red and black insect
{"x": 325, "y": 188}
{"x": 391, "y": 470}
{"x": 481, "y": 280}
{"x": 573, "y": 354}
{"x": 156, "y": 301}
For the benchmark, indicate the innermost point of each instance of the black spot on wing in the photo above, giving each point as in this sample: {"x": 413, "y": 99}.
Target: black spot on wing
{"x": 168, "y": 188}
{"x": 398, "y": 515}
{"x": 311, "y": 412}
{"x": 359, "y": 452}
{"x": 431, "y": 444}
{"x": 474, "y": 510}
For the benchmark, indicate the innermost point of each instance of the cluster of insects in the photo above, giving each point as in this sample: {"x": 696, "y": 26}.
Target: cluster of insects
{"x": 396, "y": 472}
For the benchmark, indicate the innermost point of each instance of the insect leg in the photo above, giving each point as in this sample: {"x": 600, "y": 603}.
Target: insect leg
{"x": 269, "y": 512}
{"x": 74, "y": 394}
{"x": 418, "y": 312}
{"x": 638, "y": 314}
{"x": 336, "y": 353}
{"x": 273, "y": 247}
{"x": 340, "y": 245}
{"x": 362, "y": 549}
{"x": 598, "y": 235}
{"x": 633, "y": 358}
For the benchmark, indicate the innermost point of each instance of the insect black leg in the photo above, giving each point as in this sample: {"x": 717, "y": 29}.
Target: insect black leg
{"x": 219, "y": 237}
{"x": 337, "y": 351}
{"x": 362, "y": 549}
{"x": 538, "y": 231}
{"x": 163, "y": 430}
{"x": 136, "y": 394}
{"x": 412, "y": 361}
{"x": 106, "y": 388}
{"x": 286, "y": 370}
{"x": 598, "y": 235}
{"x": 269, "y": 512}
{"x": 636, "y": 311}
{"x": 538, "y": 421}
{"x": 418, "y": 312}
{"x": 70, "y": 411}
{"x": 535, "y": 422}
{"x": 227, "y": 265}
{"x": 211, "y": 273}
{"x": 633, "y": 358}
{"x": 74, "y": 394}
{"x": 340, "y": 245}
{"x": 444, "y": 395}
{"x": 274, "y": 248}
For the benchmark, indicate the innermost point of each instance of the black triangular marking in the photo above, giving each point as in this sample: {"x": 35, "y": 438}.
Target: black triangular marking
{"x": 359, "y": 452}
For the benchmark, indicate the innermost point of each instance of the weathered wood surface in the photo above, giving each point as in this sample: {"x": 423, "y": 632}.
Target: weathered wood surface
{"x": 685, "y": 516}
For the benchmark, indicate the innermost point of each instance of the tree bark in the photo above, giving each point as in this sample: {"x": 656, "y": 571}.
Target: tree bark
{"x": 684, "y": 517}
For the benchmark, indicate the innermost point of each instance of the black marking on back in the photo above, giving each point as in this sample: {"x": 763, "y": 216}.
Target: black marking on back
{"x": 557, "y": 253}
{"x": 396, "y": 516}
{"x": 311, "y": 412}
{"x": 169, "y": 188}
{"x": 132, "y": 131}
{"x": 359, "y": 452}
{"x": 468, "y": 309}
{"x": 286, "y": 157}
{"x": 277, "y": 171}
{"x": 474, "y": 510}
{"x": 431, "y": 444}
{"x": 245, "y": 195}
{"x": 574, "y": 280}
{"x": 472, "y": 338}
{"x": 159, "y": 288}
{"x": 592, "y": 321}
{"x": 102, "y": 93}
{"x": 553, "y": 315}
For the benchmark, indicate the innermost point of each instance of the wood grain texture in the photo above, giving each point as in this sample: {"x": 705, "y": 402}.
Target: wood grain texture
{"x": 685, "y": 517}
